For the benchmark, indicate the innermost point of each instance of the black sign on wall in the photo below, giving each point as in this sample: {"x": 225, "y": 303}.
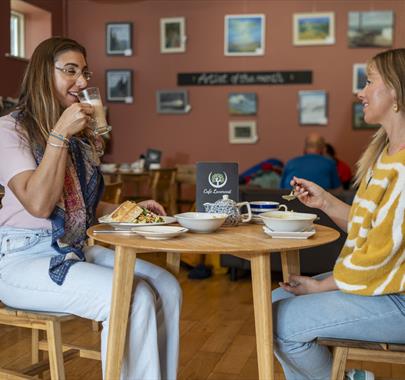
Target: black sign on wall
{"x": 214, "y": 180}
{"x": 244, "y": 78}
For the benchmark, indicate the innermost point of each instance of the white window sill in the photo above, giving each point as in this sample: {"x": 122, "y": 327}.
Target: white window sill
{"x": 8, "y": 55}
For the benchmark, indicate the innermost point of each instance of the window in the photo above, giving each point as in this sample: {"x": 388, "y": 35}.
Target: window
{"x": 17, "y": 34}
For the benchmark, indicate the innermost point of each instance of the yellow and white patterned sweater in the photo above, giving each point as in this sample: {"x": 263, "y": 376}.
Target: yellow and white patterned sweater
{"x": 372, "y": 261}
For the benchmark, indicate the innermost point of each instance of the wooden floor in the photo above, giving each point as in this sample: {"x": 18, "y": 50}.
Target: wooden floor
{"x": 217, "y": 337}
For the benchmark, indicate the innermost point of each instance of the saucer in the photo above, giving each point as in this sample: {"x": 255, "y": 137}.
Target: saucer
{"x": 159, "y": 232}
{"x": 256, "y": 219}
{"x": 289, "y": 235}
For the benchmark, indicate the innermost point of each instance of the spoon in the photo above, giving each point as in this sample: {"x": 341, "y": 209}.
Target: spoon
{"x": 289, "y": 197}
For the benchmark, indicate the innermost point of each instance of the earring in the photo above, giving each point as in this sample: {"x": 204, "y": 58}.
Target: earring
{"x": 396, "y": 107}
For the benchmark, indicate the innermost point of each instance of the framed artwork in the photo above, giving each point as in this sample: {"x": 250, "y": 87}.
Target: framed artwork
{"x": 370, "y": 29}
{"x": 173, "y": 35}
{"x": 312, "y": 106}
{"x": 242, "y": 103}
{"x": 119, "y": 38}
{"x": 168, "y": 101}
{"x": 359, "y": 77}
{"x": 242, "y": 132}
{"x": 313, "y": 28}
{"x": 244, "y": 34}
{"x": 358, "y": 118}
{"x": 119, "y": 86}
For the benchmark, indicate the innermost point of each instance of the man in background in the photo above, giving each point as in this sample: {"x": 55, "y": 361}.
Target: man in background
{"x": 312, "y": 165}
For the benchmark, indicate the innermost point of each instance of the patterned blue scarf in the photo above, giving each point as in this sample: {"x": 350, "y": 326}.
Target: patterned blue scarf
{"x": 76, "y": 211}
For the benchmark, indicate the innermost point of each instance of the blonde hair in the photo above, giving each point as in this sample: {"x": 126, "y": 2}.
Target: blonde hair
{"x": 390, "y": 65}
{"x": 38, "y": 107}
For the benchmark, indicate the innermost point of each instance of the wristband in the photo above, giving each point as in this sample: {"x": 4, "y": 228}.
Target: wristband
{"x": 59, "y": 136}
{"x": 57, "y": 145}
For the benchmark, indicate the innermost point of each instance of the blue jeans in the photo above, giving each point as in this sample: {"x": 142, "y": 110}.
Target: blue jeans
{"x": 299, "y": 320}
{"x": 152, "y": 347}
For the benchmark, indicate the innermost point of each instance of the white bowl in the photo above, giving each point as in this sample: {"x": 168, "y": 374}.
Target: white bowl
{"x": 287, "y": 221}
{"x": 202, "y": 222}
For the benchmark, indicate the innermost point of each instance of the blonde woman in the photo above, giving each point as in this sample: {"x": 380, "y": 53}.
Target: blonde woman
{"x": 49, "y": 166}
{"x": 363, "y": 298}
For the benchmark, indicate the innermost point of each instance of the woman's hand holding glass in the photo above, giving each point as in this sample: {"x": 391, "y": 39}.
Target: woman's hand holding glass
{"x": 74, "y": 119}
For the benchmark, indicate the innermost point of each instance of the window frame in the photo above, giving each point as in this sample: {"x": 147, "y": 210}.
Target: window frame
{"x": 19, "y": 34}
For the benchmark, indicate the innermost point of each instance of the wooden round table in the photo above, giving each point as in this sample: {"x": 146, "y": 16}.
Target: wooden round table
{"x": 246, "y": 241}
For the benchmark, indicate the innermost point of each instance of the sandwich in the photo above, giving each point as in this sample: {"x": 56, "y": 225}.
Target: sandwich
{"x": 130, "y": 212}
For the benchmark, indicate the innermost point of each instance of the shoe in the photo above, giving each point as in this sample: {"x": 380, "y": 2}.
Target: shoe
{"x": 359, "y": 374}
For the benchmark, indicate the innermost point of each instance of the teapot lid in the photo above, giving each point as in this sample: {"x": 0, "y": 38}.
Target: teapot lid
{"x": 225, "y": 196}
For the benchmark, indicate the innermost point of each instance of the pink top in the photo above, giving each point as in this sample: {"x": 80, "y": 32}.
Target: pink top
{"x": 15, "y": 157}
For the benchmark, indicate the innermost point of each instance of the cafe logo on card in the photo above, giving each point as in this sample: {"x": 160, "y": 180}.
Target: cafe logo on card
{"x": 217, "y": 180}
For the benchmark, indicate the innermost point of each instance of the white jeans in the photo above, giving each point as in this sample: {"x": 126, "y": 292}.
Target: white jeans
{"x": 152, "y": 346}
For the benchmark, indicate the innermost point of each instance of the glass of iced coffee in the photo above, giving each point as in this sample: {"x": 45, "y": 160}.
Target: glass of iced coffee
{"x": 91, "y": 95}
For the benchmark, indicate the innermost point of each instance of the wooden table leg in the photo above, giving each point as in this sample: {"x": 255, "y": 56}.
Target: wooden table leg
{"x": 290, "y": 263}
{"x": 173, "y": 262}
{"x": 261, "y": 286}
{"x": 124, "y": 265}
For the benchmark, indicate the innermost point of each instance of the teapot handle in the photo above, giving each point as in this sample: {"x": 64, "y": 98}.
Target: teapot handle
{"x": 245, "y": 217}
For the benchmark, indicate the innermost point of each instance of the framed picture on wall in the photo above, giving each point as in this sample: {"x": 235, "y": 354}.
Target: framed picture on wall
{"x": 242, "y": 103}
{"x": 359, "y": 77}
{"x": 119, "y": 86}
{"x": 173, "y": 35}
{"x": 313, "y": 28}
{"x": 119, "y": 38}
{"x": 358, "y": 118}
{"x": 242, "y": 132}
{"x": 312, "y": 106}
{"x": 370, "y": 29}
{"x": 244, "y": 34}
{"x": 172, "y": 101}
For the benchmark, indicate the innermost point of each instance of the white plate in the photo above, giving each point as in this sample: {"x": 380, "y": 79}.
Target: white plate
{"x": 129, "y": 226}
{"x": 289, "y": 235}
{"x": 159, "y": 232}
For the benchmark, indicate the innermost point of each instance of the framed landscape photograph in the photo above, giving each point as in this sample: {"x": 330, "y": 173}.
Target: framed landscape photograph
{"x": 370, "y": 29}
{"x": 244, "y": 34}
{"x": 119, "y": 86}
{"x": 313, "y": 28}
{"x": 312, "y": 106}
{"x": 242, "y": 103}
{"x": 168, "y": 101}
{"x": 358, "y": 118}
{"x": 172, "y": 35}
{"x": 119, "y": 38}
{"x": 359, "y": 77}
{"x": 242, "y": 132}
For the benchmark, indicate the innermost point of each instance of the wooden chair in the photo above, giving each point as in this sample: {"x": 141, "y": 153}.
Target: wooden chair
{"x": 163, "y": 188}
{"x": 113, "y": 192}
{"x": 186, "y": 181}
{"x": 58, "y": 353}
{"x": 344, "y": 349}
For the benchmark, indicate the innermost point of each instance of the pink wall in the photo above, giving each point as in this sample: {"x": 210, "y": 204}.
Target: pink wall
{"x": 203, "y": 133}
{"x": 12, "y": 69}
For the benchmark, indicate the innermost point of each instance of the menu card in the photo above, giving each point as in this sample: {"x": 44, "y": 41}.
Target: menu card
{"x": 215, "y": 179}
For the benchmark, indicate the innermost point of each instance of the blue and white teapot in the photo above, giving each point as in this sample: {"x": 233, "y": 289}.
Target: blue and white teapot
{"x": 231, "y": 208}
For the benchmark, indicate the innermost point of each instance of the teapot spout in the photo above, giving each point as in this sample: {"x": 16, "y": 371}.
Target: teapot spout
{"x": 208, "y": 206}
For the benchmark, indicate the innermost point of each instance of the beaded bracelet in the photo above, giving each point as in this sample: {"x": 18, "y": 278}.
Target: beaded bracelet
{"x": 57, "y": 145}
{"x": 59, "y": 136}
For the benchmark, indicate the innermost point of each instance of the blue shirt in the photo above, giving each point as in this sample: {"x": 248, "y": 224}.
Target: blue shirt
{"x": 313, "y": 167}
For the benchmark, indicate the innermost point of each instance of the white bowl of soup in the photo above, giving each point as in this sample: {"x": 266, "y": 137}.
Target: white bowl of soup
{"x": 202, "y": 222}
{"x": 288, "y": 221}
